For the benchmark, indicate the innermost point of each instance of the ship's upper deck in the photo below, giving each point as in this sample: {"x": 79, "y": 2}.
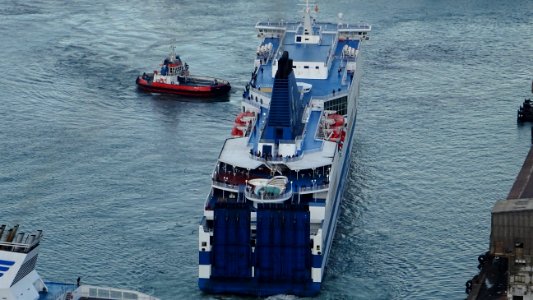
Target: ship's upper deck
{"x": 315, "y": 53}
{"x": 325, "y": 58}
{"x": 13, "y": 241}
{"x": 297, "y": 113}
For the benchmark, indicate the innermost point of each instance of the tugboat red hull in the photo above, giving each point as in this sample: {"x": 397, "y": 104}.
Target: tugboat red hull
{"x": 193, "y": 90}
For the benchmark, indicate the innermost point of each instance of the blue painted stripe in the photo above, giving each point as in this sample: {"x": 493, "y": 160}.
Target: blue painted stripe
{"x": 203, "y": 283}
{"x": 6, "y": 262}
{"x": 317, "y": 261}
{"x": 259, "y": 289}
{"x": 3, "y": 268}
{"x": 319, "y": 204}
{"x": 204, "y": 258}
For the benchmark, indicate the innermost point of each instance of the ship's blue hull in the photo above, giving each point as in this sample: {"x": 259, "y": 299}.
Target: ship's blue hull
{"x": 260, "y": 289}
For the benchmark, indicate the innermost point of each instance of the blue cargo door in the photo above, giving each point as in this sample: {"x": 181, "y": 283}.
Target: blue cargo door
{"x": 283, "y": 244}
{"x": 231, "y": 253}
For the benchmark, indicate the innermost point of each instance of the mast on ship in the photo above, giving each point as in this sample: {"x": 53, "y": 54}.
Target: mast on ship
{"x": 307, "y": 19}
{"x": 308, "y": 29}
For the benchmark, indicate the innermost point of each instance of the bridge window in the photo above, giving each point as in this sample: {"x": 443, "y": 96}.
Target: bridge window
{"x": 339, "y": 104}
{"x": 298, "y": 39}
{"x": 306, "y": 67}
{"x": 317, "y": 67}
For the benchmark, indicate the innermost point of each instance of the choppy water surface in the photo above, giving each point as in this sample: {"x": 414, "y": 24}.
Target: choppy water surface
{"x": 117, "y": 178}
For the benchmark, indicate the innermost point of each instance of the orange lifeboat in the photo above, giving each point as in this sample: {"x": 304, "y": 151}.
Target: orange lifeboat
{"x": 335, "y": 120}
{"x": 333, "y": 135}
{"x": 244, "y": 118}
{"x": 343, "y": 137}
{"x": 333, "y": 126}
{"x": 236, "y": 132}
{"x": 242, "y": 122}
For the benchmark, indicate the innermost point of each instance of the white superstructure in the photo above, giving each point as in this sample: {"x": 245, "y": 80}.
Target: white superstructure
{"x": 19, "y": 279}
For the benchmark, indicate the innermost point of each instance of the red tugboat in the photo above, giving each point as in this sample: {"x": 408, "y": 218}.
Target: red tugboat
{"x": 174, "y": 78}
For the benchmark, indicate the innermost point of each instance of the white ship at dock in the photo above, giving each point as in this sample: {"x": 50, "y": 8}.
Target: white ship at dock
{"x": 19, "y": 279}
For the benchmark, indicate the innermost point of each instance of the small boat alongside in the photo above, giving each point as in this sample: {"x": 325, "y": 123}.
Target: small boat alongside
{"x": 175, "y": 78}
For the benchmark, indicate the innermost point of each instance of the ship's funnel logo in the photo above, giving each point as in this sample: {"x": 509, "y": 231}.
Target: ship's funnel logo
{"x": 4, "y": 266}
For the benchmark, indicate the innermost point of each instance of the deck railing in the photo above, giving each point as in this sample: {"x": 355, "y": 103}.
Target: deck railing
{"x": 284, "y": 159}
{"x": 91, "y": 292}
{"x": 30, "y": 242}
{"x": 233, "y": 187}
{"x": 314, "y": 188}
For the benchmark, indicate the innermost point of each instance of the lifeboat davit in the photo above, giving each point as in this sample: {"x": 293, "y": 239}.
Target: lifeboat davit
{"x": 333, "y": 135}
{"x": 242, "y": 123}
{"x": 343, "y": 137}
{"x": 244, "y": 118}
{"x": 237, "y": 132}
{"x": 334, "y": 120}
{"x": 333, "y": 126}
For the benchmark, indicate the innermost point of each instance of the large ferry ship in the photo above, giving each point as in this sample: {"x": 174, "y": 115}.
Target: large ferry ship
{"x": 20, "y": 281}
{"x": 270, "y": 217}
